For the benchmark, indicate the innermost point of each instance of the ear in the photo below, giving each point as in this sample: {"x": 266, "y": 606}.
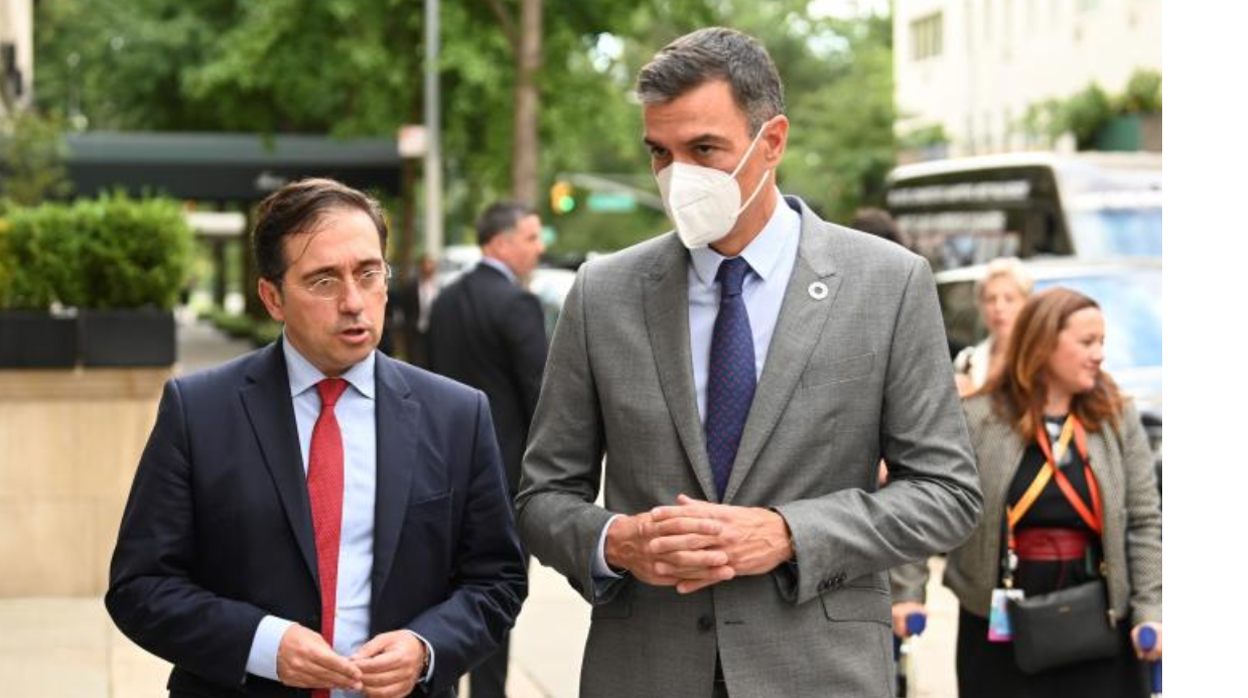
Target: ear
{"x": 271, "y": 295}
{"x": 775, "y": 139}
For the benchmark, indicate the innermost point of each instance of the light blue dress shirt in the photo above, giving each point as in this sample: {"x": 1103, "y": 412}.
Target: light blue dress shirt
{"x": 772, "y": 255}
{"x": 356, "y": 412}
{"x": 502, "y": 268}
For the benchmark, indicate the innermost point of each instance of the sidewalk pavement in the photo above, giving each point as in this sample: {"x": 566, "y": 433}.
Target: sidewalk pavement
{"x": 68, "y": 647}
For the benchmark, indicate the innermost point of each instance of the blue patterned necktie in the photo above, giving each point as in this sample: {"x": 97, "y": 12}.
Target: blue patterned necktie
{"x": 730, "y": 385}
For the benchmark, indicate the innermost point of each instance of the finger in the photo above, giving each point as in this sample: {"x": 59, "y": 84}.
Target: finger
{"x": 372, "y": 648}
{"x": 387, "y": 678}
{"x": 694, "y": 574}
{"x": 688, "y": 587}
{"x": 684, "y": 525}
{"x": 684, "y": 499}
{"x": 382, "y": 663}
{"x": 687, "y": 541}
{"x": 321, "y": 657}
{"x": 669, "y": 564}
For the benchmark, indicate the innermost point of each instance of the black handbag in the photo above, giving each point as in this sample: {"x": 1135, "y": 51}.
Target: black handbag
{"x": 1073, "y": 624}
{"x": 1063, "y": 627}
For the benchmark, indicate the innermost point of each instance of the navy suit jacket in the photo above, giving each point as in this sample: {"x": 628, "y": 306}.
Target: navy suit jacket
{"x": 217, "y": 532}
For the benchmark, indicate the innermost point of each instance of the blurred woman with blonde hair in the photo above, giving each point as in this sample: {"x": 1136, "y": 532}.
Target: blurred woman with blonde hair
{"x": 1000, "y": 296}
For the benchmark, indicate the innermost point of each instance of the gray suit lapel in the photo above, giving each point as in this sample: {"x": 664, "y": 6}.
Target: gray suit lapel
{"x": 667, "y": 321}
{"x": 798, "y": 329}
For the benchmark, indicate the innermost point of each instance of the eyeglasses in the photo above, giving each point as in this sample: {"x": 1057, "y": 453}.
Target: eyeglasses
{"x": 369, "y": 281}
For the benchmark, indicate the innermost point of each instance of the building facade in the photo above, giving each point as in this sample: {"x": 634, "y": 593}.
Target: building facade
{"x": 975, "y": 67}
{"x": 17, "y": 55}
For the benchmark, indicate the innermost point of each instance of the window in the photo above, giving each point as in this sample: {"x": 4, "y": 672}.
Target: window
{"x": 927, "y": 36}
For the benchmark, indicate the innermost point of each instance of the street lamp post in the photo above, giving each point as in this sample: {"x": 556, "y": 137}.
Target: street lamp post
{"x": 433, "y": 156}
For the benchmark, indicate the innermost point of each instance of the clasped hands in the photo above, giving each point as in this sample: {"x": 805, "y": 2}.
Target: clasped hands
{"x": 387, "y": 666}
{"x": 694, "y": 544}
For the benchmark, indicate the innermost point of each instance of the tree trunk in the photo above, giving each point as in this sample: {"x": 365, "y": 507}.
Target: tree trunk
{"x": 524, "y": 168}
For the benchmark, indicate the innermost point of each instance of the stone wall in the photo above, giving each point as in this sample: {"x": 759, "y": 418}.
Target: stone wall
{"x": 69, "y": 444}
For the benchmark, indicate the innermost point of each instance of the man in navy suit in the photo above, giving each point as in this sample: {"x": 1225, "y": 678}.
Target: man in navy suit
{"x": 487, "y": 331}
{"x": 315, "y": 515}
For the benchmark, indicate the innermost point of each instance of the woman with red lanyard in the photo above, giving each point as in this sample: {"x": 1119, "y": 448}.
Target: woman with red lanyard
{"x": 1069, "y": 497}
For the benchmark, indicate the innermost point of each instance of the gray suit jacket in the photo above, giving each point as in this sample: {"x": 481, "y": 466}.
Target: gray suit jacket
{"x": 1123, "y": 466}
{"x": 859, "y": 374}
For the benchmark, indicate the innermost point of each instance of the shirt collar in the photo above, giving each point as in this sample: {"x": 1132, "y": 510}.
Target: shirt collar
{"x": 304, "y": 376}
{"x": 764, "y": 251}
{"x": 506, "y": 270}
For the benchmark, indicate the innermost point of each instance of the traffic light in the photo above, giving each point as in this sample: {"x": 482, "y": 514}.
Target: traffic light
{"x": 561, "y": 199}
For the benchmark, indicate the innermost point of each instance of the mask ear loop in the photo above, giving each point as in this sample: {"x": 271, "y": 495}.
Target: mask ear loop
{"x": 741, "y": 164}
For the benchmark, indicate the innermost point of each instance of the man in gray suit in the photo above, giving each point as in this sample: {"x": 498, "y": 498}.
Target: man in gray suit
{"x": 743, "y": 376}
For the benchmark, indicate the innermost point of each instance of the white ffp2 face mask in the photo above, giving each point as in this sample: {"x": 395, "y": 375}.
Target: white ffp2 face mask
{"x": 704, "y": 202}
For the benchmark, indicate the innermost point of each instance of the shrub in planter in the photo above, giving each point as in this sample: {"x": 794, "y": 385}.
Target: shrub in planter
{"x": 37, "y": 249}
{"x": 134, "y": 257}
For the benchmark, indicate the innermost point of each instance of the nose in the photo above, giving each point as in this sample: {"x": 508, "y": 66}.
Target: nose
{"x": 351, "y": 302}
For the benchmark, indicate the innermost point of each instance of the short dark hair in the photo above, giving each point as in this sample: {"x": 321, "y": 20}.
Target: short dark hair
{"x": 716, "y": 53}
{"x": 499, "y": 218}
{"x": 298, "y": 208}
{"x": 877, "y": 222}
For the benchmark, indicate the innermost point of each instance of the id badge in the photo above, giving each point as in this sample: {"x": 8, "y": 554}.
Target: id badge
{"x": 999, "y": 617}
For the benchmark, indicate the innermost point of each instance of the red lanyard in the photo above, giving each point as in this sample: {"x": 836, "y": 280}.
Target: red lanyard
{"x": 1049, "y": 470}
{"x": 1094, "y": 518}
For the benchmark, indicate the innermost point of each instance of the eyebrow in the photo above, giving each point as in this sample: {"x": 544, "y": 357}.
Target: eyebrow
{"x": 699, "y": 139}
{"x": 333, "y": 269}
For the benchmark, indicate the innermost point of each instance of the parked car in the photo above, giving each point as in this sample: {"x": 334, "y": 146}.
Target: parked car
{"x": 1129, "y": 293}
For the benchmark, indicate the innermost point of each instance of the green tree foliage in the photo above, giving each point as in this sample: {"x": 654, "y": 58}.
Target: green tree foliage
{"x": 32, "y": 157}
{"x": 355, "y": 68}
{"x": 1086, "y": 112}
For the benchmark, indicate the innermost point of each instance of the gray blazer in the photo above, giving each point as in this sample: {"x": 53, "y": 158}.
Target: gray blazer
{"x": 859, "y": 374}
{"x": 1123, "y": 466}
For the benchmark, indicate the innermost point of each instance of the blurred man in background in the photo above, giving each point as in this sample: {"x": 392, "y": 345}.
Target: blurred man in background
{"x": 487, "y": 331}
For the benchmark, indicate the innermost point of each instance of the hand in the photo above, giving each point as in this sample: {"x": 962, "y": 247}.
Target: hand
{"x": 901, "y": 611}
{"x": 1153, "y": 654}
{"x": 964, "y": 384}
{"x": 683, "y": 555}
{"x": 755, "y": 539}
{"x": 305, "y": 660}
{"x": 391, "y": 664}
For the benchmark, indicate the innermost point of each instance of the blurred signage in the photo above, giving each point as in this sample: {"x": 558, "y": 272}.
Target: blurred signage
{"x": 412, "y": 141}
{"x": 967, "y": 192}
{"x": 612, "y": 202}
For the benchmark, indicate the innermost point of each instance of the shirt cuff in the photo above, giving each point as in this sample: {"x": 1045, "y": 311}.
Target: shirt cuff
{"x": 601, "y": 569}
{"x": 262, "y": 660}
{"x": 429, "y": 653}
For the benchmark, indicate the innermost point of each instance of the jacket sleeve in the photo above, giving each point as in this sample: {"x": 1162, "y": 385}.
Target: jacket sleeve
{"x": 932, "y": 501}
{"x": 490, "y": 581}
{"x": 151, "y": 596}
{"x": 561, "y": 477}
{"x": 1143, "y": 534}
{"x": 525, "y": 333}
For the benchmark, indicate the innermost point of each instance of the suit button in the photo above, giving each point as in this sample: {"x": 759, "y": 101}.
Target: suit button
{"x": 839, "y": 580}
{"x": 706, "y": 624}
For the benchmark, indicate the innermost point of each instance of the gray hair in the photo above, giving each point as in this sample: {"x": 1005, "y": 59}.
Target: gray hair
{"x": 716, "y": 53}
{"x": 499, "y": 218}
{"x": 1011, "y": 268}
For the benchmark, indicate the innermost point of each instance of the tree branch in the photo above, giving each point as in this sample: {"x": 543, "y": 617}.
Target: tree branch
{"x": 508, "y": 24}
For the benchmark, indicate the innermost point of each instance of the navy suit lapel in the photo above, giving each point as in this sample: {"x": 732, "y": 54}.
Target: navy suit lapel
{"x": 398, "y": 452}
{"x": 266, "y": 399}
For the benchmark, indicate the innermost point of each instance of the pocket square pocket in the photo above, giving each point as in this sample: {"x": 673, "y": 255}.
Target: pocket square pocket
{"x": 841, "y": 371}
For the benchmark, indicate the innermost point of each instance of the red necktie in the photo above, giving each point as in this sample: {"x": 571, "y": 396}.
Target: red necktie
{"x": 325, "y": 494}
